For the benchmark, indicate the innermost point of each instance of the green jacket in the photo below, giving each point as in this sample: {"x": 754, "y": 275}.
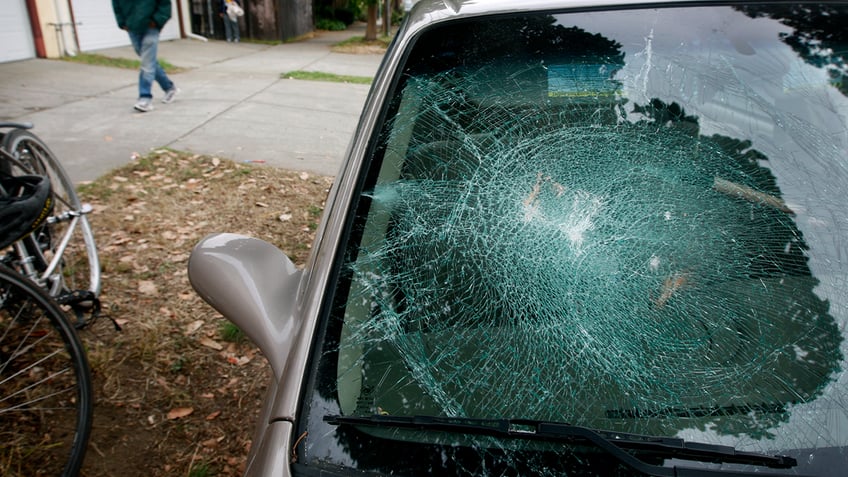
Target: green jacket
{"x": 136, "y": 15}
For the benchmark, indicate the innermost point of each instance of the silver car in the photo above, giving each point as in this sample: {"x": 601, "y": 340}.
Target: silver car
{"x": 570, "y": 238}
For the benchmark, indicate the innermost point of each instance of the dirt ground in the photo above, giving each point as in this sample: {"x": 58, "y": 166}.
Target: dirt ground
{"x": 177, "y": 390}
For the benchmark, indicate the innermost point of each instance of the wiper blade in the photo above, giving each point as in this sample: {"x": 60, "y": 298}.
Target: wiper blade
{"x": 614, "y": 443}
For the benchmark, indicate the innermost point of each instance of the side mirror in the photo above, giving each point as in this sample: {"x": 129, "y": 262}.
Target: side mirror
{"x": 253, "y": 284}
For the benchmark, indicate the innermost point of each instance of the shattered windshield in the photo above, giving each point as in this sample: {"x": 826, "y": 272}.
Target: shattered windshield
{"x": 632, "y": 221}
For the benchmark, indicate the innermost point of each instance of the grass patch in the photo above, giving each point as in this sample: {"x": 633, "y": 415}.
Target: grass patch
{"x": 330, "y": 77}
{"x": 201, "y": 469}
{"x": 230, "y": 332}
{"x": 125, "y": 63}
{"x": 359, "y": 41}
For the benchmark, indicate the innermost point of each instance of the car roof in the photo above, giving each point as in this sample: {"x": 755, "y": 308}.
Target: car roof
{"x": 433, "y": 11}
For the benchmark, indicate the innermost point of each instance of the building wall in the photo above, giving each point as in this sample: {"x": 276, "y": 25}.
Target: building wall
{"x": 70, "y": 26}
{"x": 16, "y": 39}
{"x": 96, "y": 27}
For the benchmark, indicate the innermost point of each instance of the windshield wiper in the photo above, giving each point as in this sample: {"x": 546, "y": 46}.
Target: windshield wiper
{"x": 615, "y": 443}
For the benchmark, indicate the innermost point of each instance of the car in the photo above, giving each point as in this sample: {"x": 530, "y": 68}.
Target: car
{"x": 569, "y": 238}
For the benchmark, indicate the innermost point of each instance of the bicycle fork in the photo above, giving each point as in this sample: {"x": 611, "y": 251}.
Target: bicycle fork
{"x": 50, "y": 278}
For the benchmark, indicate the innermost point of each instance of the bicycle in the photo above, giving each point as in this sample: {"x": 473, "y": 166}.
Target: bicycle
{"x": 46, "y": 398}
{"x": 60, "y": 256}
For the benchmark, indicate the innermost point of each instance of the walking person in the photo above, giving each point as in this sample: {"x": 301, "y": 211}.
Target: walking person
{"x": 230, "y": 11}
{"x": 143, "y": 20}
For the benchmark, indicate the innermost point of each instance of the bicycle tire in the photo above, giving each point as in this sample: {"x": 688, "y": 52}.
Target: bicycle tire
{"x": 46, "y": 399}
{"x": 78, "y": 269}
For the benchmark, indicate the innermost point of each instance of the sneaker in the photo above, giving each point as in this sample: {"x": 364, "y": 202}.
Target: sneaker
{"x": 170, "y": 94}
{"x": 144, "y": 105}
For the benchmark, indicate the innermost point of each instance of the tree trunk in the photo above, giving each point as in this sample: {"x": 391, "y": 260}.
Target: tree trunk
{"x": 387, "y": 17}
{"x": 371, "y": 27}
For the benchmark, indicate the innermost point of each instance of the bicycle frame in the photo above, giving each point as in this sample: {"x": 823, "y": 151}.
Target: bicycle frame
{"x": 50, "y": 277}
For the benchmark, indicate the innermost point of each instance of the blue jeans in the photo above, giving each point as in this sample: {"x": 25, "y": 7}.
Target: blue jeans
{"x": 145, "y": 45}
{"x": 231, "y": 28}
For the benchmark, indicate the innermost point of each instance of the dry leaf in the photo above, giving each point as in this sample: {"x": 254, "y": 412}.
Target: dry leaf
{"x": 179, "y": 257}
{"x": 147, "y": 287}
{"x": 213, "y": 415}
{"x": 179, "y": 412}
{"x": 193, "y": 326}
{"x": 209, "y": 343}
{"x": 238, "y": 360}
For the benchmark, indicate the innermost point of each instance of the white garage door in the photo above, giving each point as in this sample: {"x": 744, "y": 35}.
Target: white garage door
{"x": 96, "y": 27}
{"x": 15, "y": 32}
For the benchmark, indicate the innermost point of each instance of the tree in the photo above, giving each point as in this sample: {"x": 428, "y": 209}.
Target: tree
{"x": 371, "y": 27}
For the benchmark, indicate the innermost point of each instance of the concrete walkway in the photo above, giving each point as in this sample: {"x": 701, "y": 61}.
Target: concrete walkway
{"x": 233, "y": 104}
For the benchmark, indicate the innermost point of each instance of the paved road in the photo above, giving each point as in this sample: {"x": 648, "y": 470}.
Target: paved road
{"x": 233, "y": 104}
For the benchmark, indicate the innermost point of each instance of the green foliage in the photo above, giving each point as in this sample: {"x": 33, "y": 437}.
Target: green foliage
{"x": 330, "y": 24}
{"x": 359, "y": 40}
{"x": 126, "y": 63}
{"x": 230, "y": 332}
{"x": 179, "y": 364}
{"x": 315, "y": 211}
{"x": 330, "y": 77}
{"x": 330, "y": 10}
{"x": 200, "y": 469}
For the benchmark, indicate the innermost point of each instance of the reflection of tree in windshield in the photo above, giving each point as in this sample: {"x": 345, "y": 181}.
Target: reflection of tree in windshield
{"x": 529, "y": 39}
{"x": 769, "y": 256}
{"x": 820, "y": 35}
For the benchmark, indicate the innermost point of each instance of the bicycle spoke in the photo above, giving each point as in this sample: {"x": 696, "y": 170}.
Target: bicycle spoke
{"x": 39, "y": 399}
{"x": 45, "y": 387}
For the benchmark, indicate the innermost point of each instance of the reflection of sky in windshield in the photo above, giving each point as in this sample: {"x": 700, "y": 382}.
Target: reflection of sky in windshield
{"x": 740, "y": 83}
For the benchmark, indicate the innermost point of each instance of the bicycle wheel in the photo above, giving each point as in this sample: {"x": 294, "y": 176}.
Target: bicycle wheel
{"x": 63, "y": 252}
{"x": 45, "y": 384}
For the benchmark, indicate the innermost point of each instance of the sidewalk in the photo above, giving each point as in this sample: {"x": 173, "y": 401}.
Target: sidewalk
{"x": 233, "y": 104}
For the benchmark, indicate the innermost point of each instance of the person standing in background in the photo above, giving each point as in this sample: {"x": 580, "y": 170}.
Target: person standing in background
{"x": 143, "y": 20}
{"x": 228, "y": 13}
